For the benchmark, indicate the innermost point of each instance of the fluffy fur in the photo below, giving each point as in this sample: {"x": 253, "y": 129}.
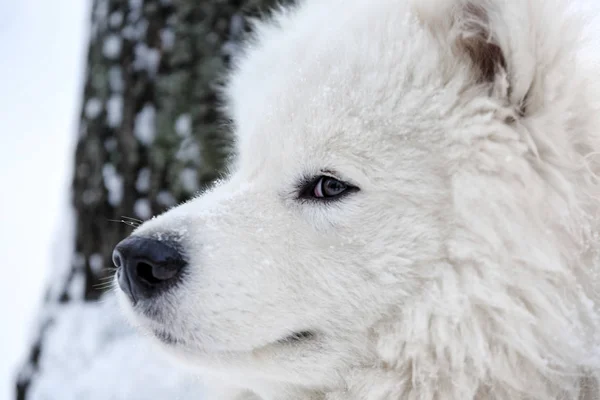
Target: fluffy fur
{"x": 466, "y": 267}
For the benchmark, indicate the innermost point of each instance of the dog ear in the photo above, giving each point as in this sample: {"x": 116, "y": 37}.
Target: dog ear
{"x": 475, "y": 32}
{"x": 474, "y": 39}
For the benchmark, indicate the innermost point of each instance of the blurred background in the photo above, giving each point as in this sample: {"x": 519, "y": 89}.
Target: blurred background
{"x": 108, "y": 112}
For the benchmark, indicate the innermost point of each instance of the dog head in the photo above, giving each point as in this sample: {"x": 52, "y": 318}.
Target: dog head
{"x": 381, "y": 147}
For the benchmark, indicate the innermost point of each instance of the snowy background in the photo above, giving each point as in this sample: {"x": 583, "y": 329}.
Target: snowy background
{"x": 90, "y": 352}
{"x": 43, "y": 46}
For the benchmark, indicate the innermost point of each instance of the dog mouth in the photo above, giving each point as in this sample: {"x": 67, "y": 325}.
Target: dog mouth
{"x": 297, "y": 337}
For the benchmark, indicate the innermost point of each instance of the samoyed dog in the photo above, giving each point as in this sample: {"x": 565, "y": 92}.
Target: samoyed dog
{"x": 412, "y": 214}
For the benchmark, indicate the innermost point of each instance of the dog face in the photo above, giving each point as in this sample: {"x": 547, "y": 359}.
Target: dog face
{"x": 339, "y": 205}
{"x": 330, "y": 219}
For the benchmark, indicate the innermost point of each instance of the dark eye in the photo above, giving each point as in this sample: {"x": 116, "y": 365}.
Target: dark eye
{"x": 326, "y": 188}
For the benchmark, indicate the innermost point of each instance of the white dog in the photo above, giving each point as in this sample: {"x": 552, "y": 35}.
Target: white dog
{"x": 413, "y": 212}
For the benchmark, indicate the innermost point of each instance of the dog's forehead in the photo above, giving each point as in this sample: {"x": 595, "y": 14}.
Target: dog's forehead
{"x": 278, "y": 148}
{"x": 313, "y": 97}
{"x": 312, "y": 102}
{"x": 306, "y": 92}
{"x": 302, "y": 117}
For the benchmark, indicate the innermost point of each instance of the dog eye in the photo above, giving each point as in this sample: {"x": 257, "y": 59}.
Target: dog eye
{"x": 324, "y": 188}
{"x": 327, "y": 187}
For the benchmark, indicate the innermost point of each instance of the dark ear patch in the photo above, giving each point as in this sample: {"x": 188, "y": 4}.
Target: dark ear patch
{"x": 481, "y": 40}
{"x": 476, "y": 41}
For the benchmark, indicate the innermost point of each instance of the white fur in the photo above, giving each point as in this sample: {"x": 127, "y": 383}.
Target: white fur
{"x": 466, "y": 267}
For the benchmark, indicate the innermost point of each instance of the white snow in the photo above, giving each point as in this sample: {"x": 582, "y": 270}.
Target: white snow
{"x": 114, "y": 111}
{"x": 189, "y": 179}
{"x": 76, "y": 287}
{"x": 115, "y": 19}
{"x": 189, "y": 150}
{"x": 115, "y": 79}
{"x": 165, "y": 198}
{"x": 96, "y": 263}
{"x": 63, "y": 247}
{"x": 236, "y": 26}
{"x": 167, "y": 38}
{"x": 111, "y": 48}
{"x": 146, "y": 58}
{"x": 93, "y": 108}
{"x": 43, "y": 72}
{"x": 100, "y": 13}
{"x": 142, "y": 209}
{"x": 144, "y": 128}
{"x": 183, "y": 125}
{"x": 136, "y": 28}
{"x": 135, "y": 4}
{"x": 113, "y": 183}
{"x": 91, "y": 353}
{"x": 142, "y": 183}
{"x": 236, "y": 29}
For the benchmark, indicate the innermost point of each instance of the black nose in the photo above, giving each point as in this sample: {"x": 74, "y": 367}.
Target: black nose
{"x": 146, "y": 267}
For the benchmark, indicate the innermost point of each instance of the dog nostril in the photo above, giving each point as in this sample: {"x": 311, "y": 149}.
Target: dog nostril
{"x": 147, "y": 266}
{"x": 145, "y": 272}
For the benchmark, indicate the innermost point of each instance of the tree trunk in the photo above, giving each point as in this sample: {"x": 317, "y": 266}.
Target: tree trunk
{"x": 150, "y": 135}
